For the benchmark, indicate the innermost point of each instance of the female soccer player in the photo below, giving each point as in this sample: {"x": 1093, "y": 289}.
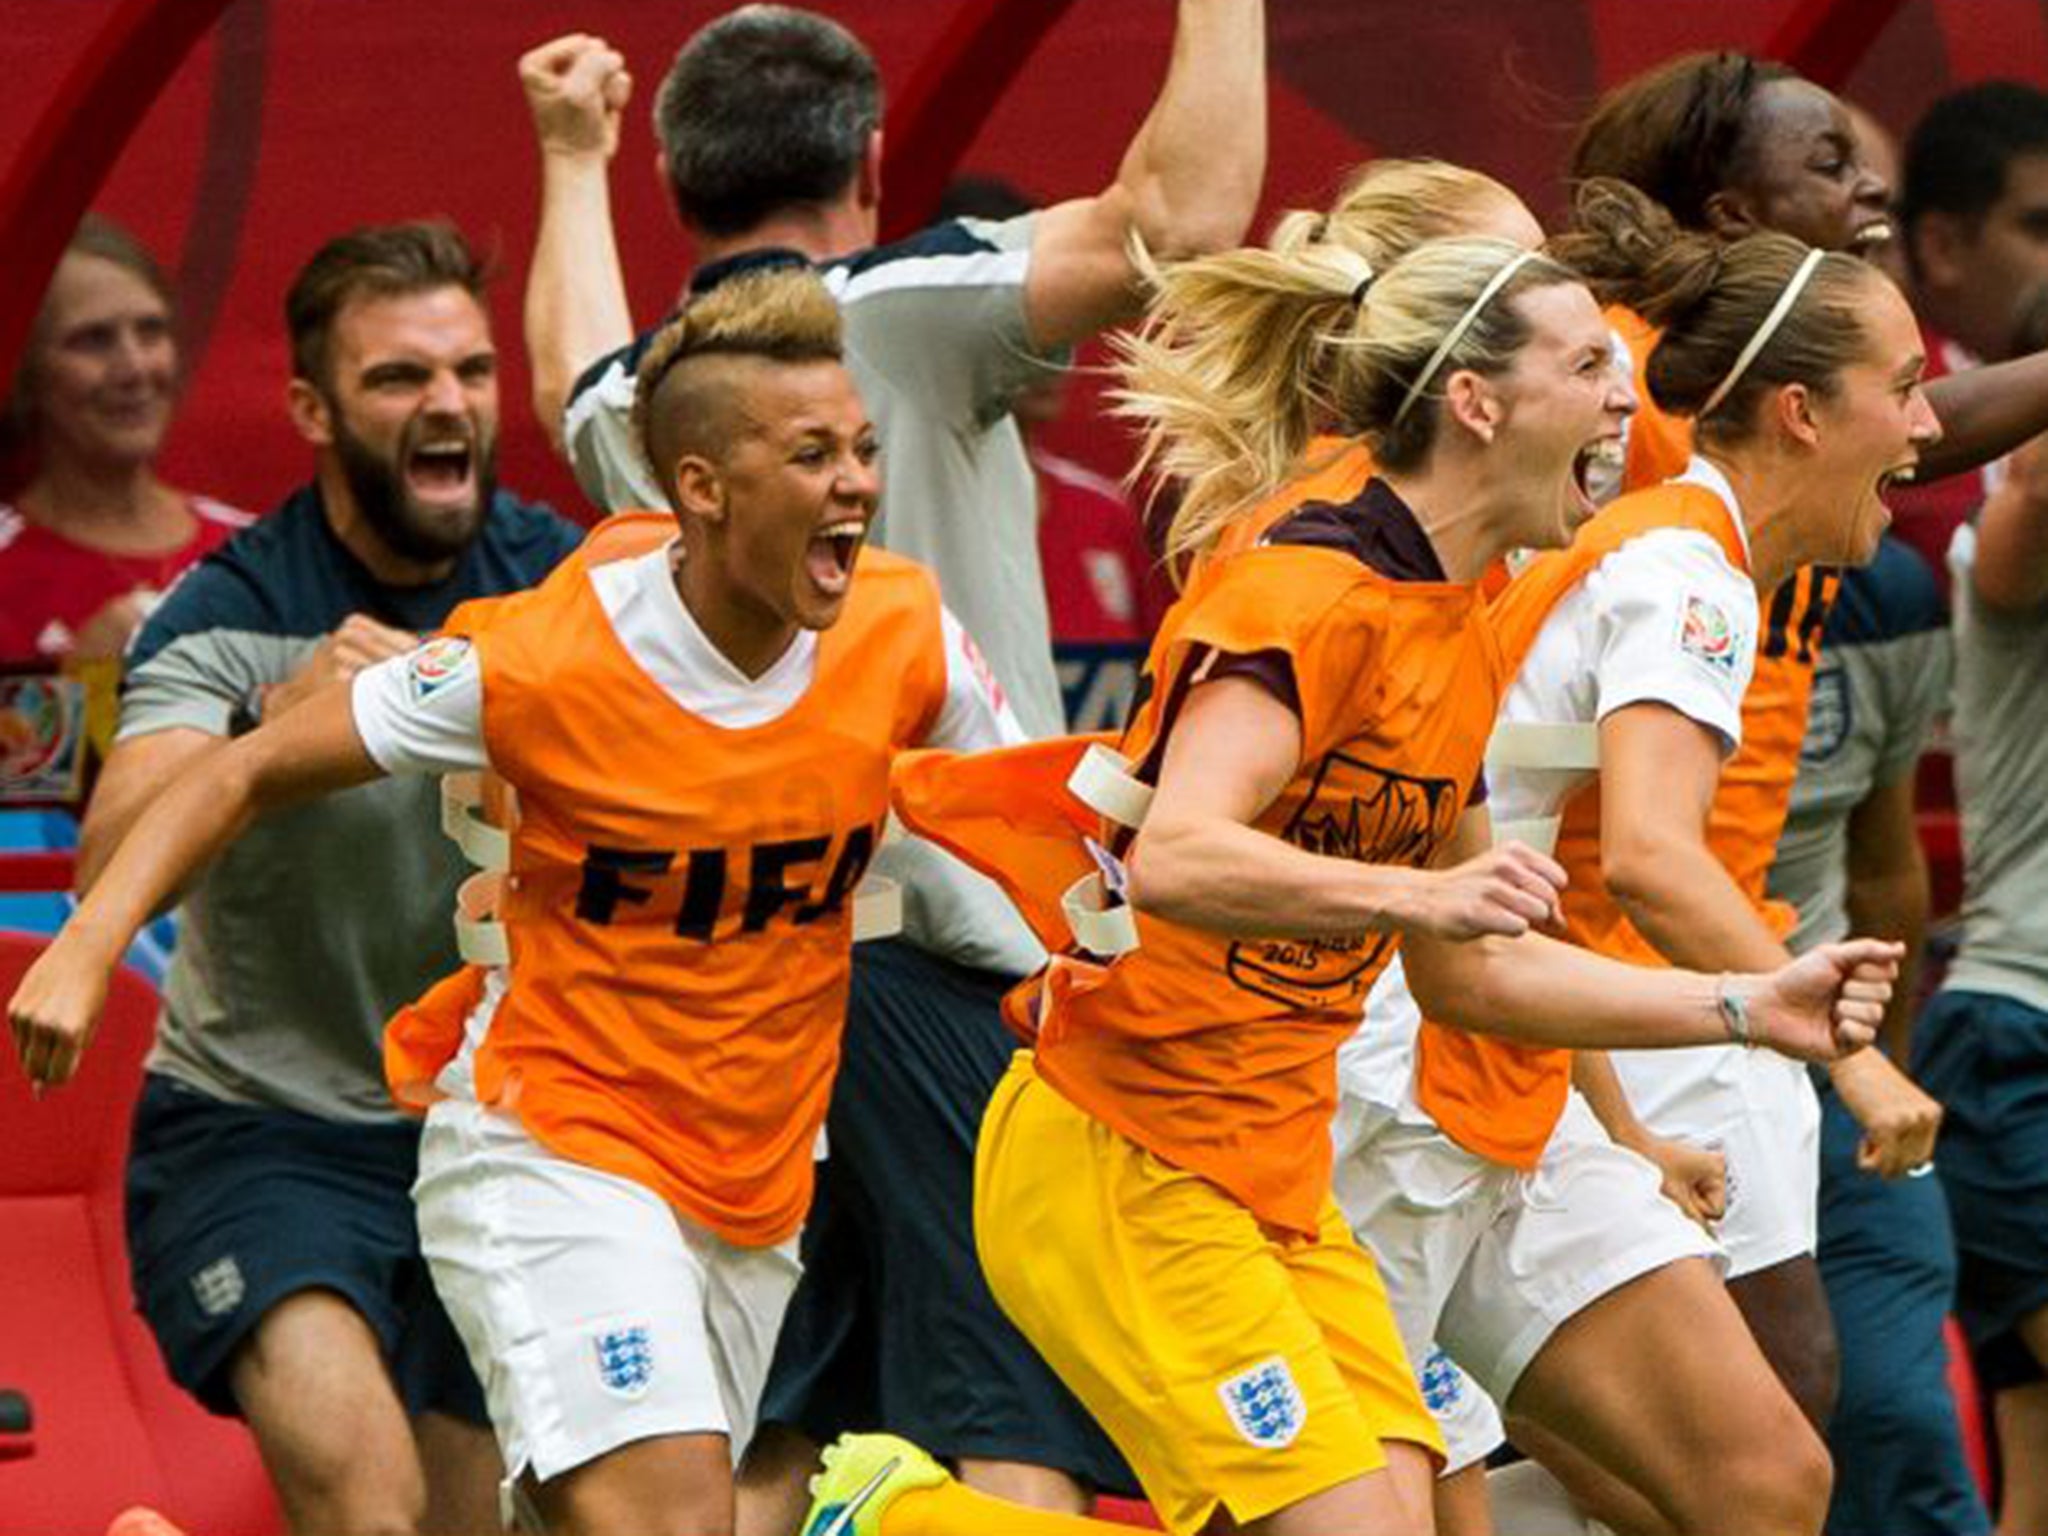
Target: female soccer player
{"x": 1803, "y": 369}
{"x": 698, "y": 732}
{"x": 1423, "y": 1200}
{"x": 1732, "y": 145}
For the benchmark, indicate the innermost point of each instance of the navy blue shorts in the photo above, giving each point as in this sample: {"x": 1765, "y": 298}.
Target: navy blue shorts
{"x": 233, "y": 1208}
{"x": 1986, "y": 1058}
{"x": 1889, "y": 1263}
{"x": 892, "y": 1326}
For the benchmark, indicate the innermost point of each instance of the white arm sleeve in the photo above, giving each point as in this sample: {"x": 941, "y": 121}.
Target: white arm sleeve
{"x": 975, "y": 716}
{"x": 1674, "y": 624}
{"x": 423, "y": 712}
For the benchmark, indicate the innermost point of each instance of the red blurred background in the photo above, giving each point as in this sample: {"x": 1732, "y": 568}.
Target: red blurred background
{"x": 295, "y": 119}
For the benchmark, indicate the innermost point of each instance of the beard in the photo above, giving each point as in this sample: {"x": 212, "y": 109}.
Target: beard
{"x": 406, "y": 528}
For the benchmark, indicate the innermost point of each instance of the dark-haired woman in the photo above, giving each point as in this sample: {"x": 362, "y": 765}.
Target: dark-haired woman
{"x": 1732, "y": 145}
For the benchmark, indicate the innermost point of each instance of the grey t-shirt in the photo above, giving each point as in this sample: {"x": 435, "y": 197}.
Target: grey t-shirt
{"x": 937, "y": 344}
{"x": 2002, "y": 785}
{"x": 1882, "y": 680}
{"x": 303, "y": 938}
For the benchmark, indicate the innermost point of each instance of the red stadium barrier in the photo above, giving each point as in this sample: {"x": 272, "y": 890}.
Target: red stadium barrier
{"x": 110, "y": 1429}
{"x": 37, "y": 872}
{"x": 957, "y": 85}
{"x": 1825, "y": 39}
{"x": 59, "y": 168}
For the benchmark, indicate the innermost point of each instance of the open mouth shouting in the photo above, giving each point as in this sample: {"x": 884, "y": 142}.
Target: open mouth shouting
{"x": 1898, "y": 474}
{"x": 1869, "y": 235}
{"x": 830, "y": 556}
{"x": 441, "y": 471}
{"x": 1596, "y": 470}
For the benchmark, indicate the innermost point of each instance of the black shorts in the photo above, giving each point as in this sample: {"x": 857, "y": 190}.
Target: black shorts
{"x": 1986, "y": 1058}
{"x": 892, "y": 1326}
{"x": 232, "y": 1208}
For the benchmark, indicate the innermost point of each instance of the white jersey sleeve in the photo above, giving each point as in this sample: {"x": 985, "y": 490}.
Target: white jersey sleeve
{"x": 423, "y": 712}
{"x": 976, "y": 715}
{"x": 1674, "y": 624}
{"x": 597, "y": 432}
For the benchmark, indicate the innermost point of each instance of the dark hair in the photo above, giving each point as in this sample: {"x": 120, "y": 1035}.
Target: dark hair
{"x": 1957, "y": 157}
{"x": 765, "y": 107}
{"x": 1709, "y": 298}
{"x": 99, "y": 237}
{"x": 982, "y": 197}
{"x": 1679, "y": 131}
{"x": 382, "y": 261}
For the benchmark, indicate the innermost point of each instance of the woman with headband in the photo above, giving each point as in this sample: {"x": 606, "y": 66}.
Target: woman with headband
{"x": 1421, "y": 1193}
{"x": 1387, "y": 207}
{"x": 1152, "y": 1199}
{"x": 1585, "y": 1309}
{"x": 1731, "y": 145}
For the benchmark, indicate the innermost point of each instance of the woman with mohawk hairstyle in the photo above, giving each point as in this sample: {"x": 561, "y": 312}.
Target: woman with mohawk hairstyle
{"x": 622, "y": 1092}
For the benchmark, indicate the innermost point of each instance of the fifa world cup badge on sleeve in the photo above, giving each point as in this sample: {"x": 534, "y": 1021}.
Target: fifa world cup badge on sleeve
{"x": 434, "y": 663}
{"x": 1264, "y": 1404}
{"x": 1706, "y": 635}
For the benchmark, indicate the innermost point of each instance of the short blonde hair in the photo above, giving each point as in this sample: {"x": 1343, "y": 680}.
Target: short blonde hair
{"x": 783, "y": 315}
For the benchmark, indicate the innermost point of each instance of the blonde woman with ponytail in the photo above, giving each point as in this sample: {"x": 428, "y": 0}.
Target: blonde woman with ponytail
{"x": 624, "y": 1088}
{"x": 1233, "y": 409}
{"x": 1152, "y": 1195}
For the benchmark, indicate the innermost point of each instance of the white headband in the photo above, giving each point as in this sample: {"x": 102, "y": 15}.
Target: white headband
{"x": 1457, "y": 332}
{"x": 1764, "y": 332}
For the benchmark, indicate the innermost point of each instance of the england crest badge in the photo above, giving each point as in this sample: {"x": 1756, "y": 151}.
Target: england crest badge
{"x": 1442, "y": 1383}
{"x": 1264, "y": 1404}
{"x": 625, "y": 1360}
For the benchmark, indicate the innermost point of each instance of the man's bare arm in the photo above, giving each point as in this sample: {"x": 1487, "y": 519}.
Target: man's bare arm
{"x": 1189, "y": 182}
{"x": 576, "y": 309}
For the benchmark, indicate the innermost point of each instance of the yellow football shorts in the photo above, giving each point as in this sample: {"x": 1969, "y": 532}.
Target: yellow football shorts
{"x": 1231, "y": 1363}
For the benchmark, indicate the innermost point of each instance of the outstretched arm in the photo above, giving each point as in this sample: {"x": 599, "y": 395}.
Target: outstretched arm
{"x": 1986, "y": 412}
{"x": 312, "y": 751}
{"x": 1473, "y": 959}
{"x": 1189, "y": 182}
{"x": 576, "y": 309}
{"x": 1537, "y": 988}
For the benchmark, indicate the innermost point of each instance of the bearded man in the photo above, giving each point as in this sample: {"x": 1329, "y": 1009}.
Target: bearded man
{"x": 270, "y": 1224}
